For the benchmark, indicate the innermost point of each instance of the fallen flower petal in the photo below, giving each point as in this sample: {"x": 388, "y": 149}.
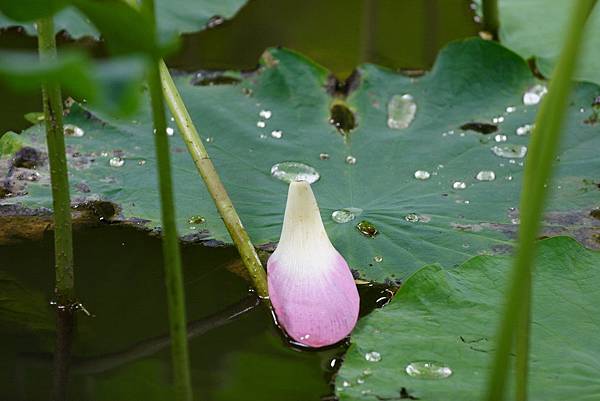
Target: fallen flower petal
{"x": 310, "y": 285}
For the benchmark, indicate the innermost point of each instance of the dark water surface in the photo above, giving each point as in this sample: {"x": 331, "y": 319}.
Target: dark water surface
{"x": 119, "y": 279}
{"x": 120, "y": 353}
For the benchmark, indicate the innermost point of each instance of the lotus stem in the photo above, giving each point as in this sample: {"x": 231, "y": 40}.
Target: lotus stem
{"x": 61, "y": 202}
{"x": 170, "y": 241}
{"x": 538, "y": 172}
{"x": 491, "y": 21}
{"x": 213, "y": 183}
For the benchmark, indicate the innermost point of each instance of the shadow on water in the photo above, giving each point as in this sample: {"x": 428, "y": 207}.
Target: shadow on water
{"x": 121, "y": 352}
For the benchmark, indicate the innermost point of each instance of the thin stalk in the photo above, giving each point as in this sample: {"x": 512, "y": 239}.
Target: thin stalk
{"x": 171, "y": 251}
{"x": 213, "y": 183}
{"x": 538, "y": 170}
{"x": 209, "y": 174}
{"x": 491, "y": 21}
{"x": 61, "y": 202}
{"x": 522, "y": 342}
{"x": 63, "y": 237}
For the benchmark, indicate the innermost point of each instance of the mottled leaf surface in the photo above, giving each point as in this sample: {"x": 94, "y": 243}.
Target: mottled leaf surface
{"x": 473, "y": 82}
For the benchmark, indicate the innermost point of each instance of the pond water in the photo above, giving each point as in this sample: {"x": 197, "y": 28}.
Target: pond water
{"x": 120, "y": 352}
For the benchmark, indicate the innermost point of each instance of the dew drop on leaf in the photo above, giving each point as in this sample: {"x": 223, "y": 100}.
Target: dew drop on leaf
{"x": 401, "y": 111}
{"x": 510, "y": 151}
{"x": 295, "y": 171}
{"x": 350, "y": 159}
{"x": 266, "y": 114}
{"x": 412, "y": 217}
{"x": 534, "y": 94}
{"x": 373, "y": 356}
{"x": 345, "y": 215}
{"x": 73, "y": 130}
{"x": 367, "y": 229}
{"x": 524, "y": 129}
{"x": 116, "y": 161}
{"x": 459, "y": 185}
{"x": 485, "y": 175}
{"x": 196, "y": 220}
{"x": 422, "y": 175}
{"x": 428, "y": 370}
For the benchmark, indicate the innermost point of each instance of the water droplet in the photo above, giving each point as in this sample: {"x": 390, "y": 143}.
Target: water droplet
{"x": 209, "y": 139}
{"x": 459, "y": 185}
{"x": 345, "y": 215}
{"x": 266, "y": 114}
{"x": 261, "y": 124}
{"x": 73, "y": 130}
{"x": 422, "y": 175}
{"x": 196, "y": 220}
{"x": 534, "y": 94}
{"x": 104, "y": 154}
{"x": 350, "y": 159}
{"x": 141, "y": 162}
{"x": 485, "y": 175}
{"x": 500, "y": 138}
{"x": 277, "y": 134}
{"x": 367, "y": 372}
{"x": 428, "y": 370}
{"x": 515, "y": 220}
{"x": 324, "y": 156}
{"x": 498, "y": 120}
{"x": 378, "y": 259}
{"x": 170, "y": 131}
{"x": 401, "y": 111}
{"x": 509, "y": 177}
{"x": 116, "y": 161}
{"x": 524, "y": 129}
{"x": 346, "y": 383}
{"x": 511, "y": 109}
{"x": 510, "y": 151}
{"x": 305, "y": 337}
{"x": 367, "y": 229}
{"x": 262, "y": 136}
{"x": 412, "y": 217}
{"x": 373, "y": 356}
{"x": 294, "y": 171}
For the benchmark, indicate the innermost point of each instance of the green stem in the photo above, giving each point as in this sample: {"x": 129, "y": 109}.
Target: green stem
{"x": 171, "y": 251}
{"x": 213, "y": 183}
{"x": 522, "y": 342}
{"x": 538, "y": 169}
{"x": 491, "y": 20}
{"x": 61, "y": 202}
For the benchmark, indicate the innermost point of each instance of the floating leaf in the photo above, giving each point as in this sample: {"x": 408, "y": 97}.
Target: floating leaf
{"x": 536, "y": 28}
{"x": 173, "y": 16}
{"x": 473, "y": 82}
{"x": 436, "y": 338}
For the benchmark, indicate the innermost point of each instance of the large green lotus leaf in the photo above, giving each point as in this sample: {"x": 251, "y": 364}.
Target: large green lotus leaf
{"x": 180, "y": 16}
{"x": 473, "y": 81}
{"x": 537, "y": 28}
{"x": 449, "y": 318}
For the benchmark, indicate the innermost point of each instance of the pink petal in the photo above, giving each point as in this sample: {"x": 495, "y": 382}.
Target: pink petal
{"x": 310, "y": 285}
{"x": 314, "y": 309}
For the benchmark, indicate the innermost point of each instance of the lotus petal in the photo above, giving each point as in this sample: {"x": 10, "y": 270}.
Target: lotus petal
{"x": 310, "y": 285}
